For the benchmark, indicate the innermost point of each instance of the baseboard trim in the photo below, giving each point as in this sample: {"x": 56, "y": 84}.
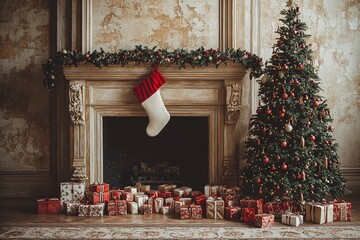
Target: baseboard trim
{"x": 352, "y": 176}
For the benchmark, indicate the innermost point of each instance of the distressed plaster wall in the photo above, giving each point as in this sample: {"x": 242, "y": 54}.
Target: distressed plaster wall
{"x": 24, "y": 105}
{"x": 335, "y": 29}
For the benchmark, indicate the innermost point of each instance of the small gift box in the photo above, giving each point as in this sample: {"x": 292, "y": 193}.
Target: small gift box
{"x": 211, "y": 190}
{"x": 165, "y": 210}
{"x": 247, "y": 214}
{"x": 147, "y": 209}
{"x": 165, "y": 194}
{"x": 95, "y": 210}
{"x": 71, "y": 191}
{"x": 166, "y": 187}
{"x": 293, "y": 219}
{"x": 277, "y": 208}
{"x": 257, "y": 204}
{"x": 98, "y": 197}
{"x": 170, "y": 202}
{"x": 153, "y": 194}
{"x": 159, "y": 202}
{"x": 342, "y": 210}
{"x": 319, "y": 212}
{"x": 194, "y": 194}
{"x": 127, "y": 196}
{"x": 178, "y": 204}
{"x": 71, "y": 207}
{"x": 215, "y": 208}
{"x": 130, "y": 189}
{"x": 48, "y": 205}
{"x": 144, "y": 188}
{"x": 195, "y": 211}
{"x": 99, "y": 187}
{"x": 179, "y": 192}
{"x": 232, "y": 213}
{"x": 133, "y": 207}
{"x": 184, "y": 212}
{"x": 115, "y": 194}
{"x": 264, "y": 220}
{"x": 115, "y": 208}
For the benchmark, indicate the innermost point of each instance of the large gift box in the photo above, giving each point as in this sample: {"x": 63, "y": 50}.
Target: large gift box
{"x": 264, "y": 220}
{"x": 98, "y": 197}
{"x": 247, "y": 214}
{"x": 342, "y": 210}
{"x": 232, "y": 212}
{"x": 215, "y": 208}
{"x": 277, "y": 208}
{"x": 257, "y": 204}
{"x": 71, "y": 191}
{"x": 95, "y": 210}
{"x": 48, "y": 205}
{"x": 71, "y": 207}
{"x": 159, "y": 202}
{"x": 133, "y": 207}
{"x": 99, "y": 187}
{"x": 319, "y": 212}
{"x": 115, "y": 208}
{"x": 184, "y": 212}
{"x": 195, "y": 211}
{"x": 293, "y": 219}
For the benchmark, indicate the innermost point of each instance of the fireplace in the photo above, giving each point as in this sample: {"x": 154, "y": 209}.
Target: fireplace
{"x": 99, "y": 95}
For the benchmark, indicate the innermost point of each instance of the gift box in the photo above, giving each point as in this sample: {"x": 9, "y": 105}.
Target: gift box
{"x": 144, "y": 188}
{"x": 195, "y": 211}
{"x": 98, "y": 197}
{"x": 187, "y": 201}
{"x": 115, "y": 208}
{"x": 277, "y": 208}
{"x": 194, "y": 194}
{"x": 133, "y": 207}
{"x": 342, "y": 210}
{"x": 264, "y": 220}
{"x": 127, "y": 196}
{"x": 319, "y": 212}
{"x": 71, "y": 191}
{"x": 95, "y": 210}
{"x": 179, "y": 192}
{"x": 48, "y": 205}
{"x": 147, "y": 209}
{"x": 166, "y": 187}
{"x": 293, "y": 219}
{"x": 165, "y": 210}
{"x": 99, "y": 187}
{"x": 130, "y": 189}
{"x": 184, "y": 212}
{"x": 159, "y": 202}
{"x": 178, "y": 204}
{"x": 165, "y": 194}
{"x": 170, "y": 202}
{"x": 115, "y": 194}
{"x": 247, "y": 214}
{"x": 153, "y": 194}
{"x": 257, "y": 204}
{"x": 215, "y": 208}
{"x": 232, "y": 213}
{"x": 71, "y": 207}
{"x": 211, "y": 190}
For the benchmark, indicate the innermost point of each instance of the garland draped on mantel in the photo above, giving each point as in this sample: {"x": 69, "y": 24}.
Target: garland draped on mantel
{"x": 154, "y": 56}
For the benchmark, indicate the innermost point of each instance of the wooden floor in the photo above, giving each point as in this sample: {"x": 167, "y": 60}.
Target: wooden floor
{"x": 23, "y": 211}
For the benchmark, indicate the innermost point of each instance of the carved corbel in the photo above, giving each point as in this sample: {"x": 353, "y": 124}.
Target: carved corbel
{"x": 76, "y": 105}
{"x": 79, "y": 174}
{"x": 233, "y": 103}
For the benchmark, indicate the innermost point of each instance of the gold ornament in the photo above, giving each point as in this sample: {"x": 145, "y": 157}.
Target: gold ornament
{"x": 302, "y": 142}
{"x": 325, "y": 160}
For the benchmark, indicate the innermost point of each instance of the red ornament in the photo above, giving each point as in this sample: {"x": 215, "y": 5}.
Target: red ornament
{"x": 283, "y": 144}
{"x": 177, "y": 55}
{"x": 300, "y": 67}
{"x": 292, "y": 94}
{"x": 284, "y": 166}
{"x": 279, "y": 42}
{"x": 258, "y": 110}
{"x": 278, "y": 158}
{"x": 277, "y": 187}
{"x": 273, "y": 168}
{"x": 265, "y": 159}
{"x": 268, "y": 111}
{"x": 294, "y": 31}
{"x": 281, "y": 115}
{"x": 284, "y": 95}
{"x": 312, "y": 138}
{"x": 316, "y": 103}
{"x": 285, "y": 67}
{"x": 299, "y": 176}
{"x": 260, "y": 191}
{"x": 323, "y": 114}
{"x": 331, "y": 128}
{"x": 258, "y": 180}
{"x": 306, "y": 97}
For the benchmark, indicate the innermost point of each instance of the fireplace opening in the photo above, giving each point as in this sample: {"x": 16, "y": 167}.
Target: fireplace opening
{"x": 179, "y": 154}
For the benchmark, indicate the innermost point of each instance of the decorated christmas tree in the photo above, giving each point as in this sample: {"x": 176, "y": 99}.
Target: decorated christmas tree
{"x": 291, "y": 154}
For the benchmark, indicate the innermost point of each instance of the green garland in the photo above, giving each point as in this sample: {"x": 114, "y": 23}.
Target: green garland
{"x": 145, "y": 55}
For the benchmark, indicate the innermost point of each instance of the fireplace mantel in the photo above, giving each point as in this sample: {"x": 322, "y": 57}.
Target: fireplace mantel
{"x": 210, "y": 92}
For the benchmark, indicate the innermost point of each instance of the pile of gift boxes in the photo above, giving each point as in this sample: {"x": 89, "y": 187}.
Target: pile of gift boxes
{"x": 215, "y": 202}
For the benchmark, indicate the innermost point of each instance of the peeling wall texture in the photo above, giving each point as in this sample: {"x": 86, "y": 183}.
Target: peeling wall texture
{"x": 335, "y": 29}
{"x": 24, "y": 105}
{"x": 164, "y": 23}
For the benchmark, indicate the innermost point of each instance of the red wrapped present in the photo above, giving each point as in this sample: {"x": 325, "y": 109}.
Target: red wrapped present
{"x": 48, "y": 205}
{"x": 98, "y": 197}
{"x": 257, "y": 204}
{"x": 95, "y": 210}
{"x": 264, "y": 220}
{"x": 165, "y": 194}
{"x": 153, "y": 194}
{"x": 127, "y": 196}
{"x": 342, "y": 210}
{"x": 201, "y": 199}
{"x": 184, "y": 212}
{"x": 277, "y": 208}
{"x": 215, "y": 208}
{"x": 115, "y": 208}
{"x": 232, "y": 213}
{"x": 195, "y": 211}
{"x": 147, "y": 209}
{"x": 99, "y": 187}
{"x": 115, "y": 194}
{"x": 194, "y": 194}
{"x": 247, "y": 214}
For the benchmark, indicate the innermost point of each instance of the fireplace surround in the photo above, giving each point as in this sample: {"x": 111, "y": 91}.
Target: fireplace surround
{"x": 95, "y": 93}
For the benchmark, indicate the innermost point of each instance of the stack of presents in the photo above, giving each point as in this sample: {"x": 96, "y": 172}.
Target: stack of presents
{"x": 215, "y": 202}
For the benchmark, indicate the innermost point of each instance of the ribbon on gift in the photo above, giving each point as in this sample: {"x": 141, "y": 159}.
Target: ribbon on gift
{"x": 250, "y": 214}
{"x": 312, "y": 211}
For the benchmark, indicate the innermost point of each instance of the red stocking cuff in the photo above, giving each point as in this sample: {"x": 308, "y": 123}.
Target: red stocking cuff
{"x": 149, "y": 86}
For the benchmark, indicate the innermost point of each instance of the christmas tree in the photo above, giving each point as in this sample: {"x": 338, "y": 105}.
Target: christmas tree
{"x": 291, "y": 154}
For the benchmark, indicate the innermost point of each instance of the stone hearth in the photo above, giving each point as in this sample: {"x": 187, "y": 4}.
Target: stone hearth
{"x": 209, "y": 92}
